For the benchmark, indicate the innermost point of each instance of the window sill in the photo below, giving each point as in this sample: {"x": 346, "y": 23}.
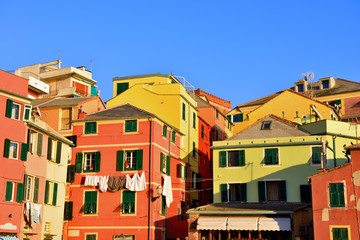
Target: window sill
{"x": 90, "y": 134}
{"x": 128, "y": 214}
{"x": 90, "y": 214}
{"x": 135, "y": 132}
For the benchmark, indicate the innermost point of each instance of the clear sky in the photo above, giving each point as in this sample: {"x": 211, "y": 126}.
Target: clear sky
{"x": 237, "y": 49}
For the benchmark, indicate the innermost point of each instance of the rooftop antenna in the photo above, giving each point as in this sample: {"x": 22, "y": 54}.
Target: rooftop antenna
{"x": 309, "y": 76}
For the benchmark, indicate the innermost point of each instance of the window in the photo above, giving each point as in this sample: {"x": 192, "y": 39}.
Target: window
{"x": 194, "y": 120}
{"x": 316, "y": 155}
{"x": 182, "y": 171}
{"x": 183, "y": 111}
{"x": 300, "y": 87}
{"x": 305, "y": 193}
{"x": 202, "y": 132}
{"x": 91, "y": 237}
{"x": 68, "y": 211}
{"x": 182, "y": 211}
{"x": 90, "y": 202}
{"x": 31, "y": 185}
{"x": 66, "y": 118}
{"x": 130, "y": 125}
{"x": 164, "y": 163}
{"x": 51, "y": 189}
{"x": 340, "y": 234}
{"x": 336, "y": 104}
{"x": 91, "y": 162}
{"x": 121, "y": 87}
{"x": 80, "y": 88}
{"x": 336, "y": 192}
{"x": 128, "y": 202}
{"x": 90, "y": 127}
{"x": 217, "y": 114}
{"x": 32, "y": 141}
{"x": 266, "y": 125}
{"x": 10, "y": 190}
{"x": 12, "y": 110}
{"x": 194, "y": 150}
{"x": 238, "y": 117}
{"x": 271, "y": 156}
{"x": 54, "y": 150}
{"x": 13, "y": 150}
{"x": 325, "y": 84}
{"x": 216, "y": 135}
{"x": 232, "y": 158}
{"x": 129, "y": 160}
{"x": 163, "y": 205}
{"x": 70, "y": 174}
{"x": 173, "y": 136}
{"x": 196, "y": 180}
{"x": 237, "y": 192}
{"x": 164, "y": 131}
{"x": 272, "y": 191}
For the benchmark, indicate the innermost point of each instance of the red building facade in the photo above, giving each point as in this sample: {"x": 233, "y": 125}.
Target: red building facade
{"x": 14, "y": 112}
{"x": 336, "y": 194}
{"x": 119, "y": 142}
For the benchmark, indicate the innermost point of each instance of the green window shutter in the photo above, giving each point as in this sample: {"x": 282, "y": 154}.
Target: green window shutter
{"x": 36, "y": 190}
{"x": 344, "y": 233}
{"x": 228, "y": 117}
{"x": 173, "y": 136}
{"x": 268, "y": 155}
{"x": 24, "y": 148}
{"x": 139, "y": 159}
{"x": 47, "y": 185}
{"x": 68, "y": 211}
{"x": 28, "y": 140}
{"x": 179, "y": 168}
{"x": 241, "y": 157}
{"x": 161, "y": 162}
{"x": 25, "y": 182}
{"x": 39, "y": 144}
{"x": 316, "y": 155}
{"x": 55, "y": 194}
{"x": 168, "y": 165}
{"x": 241, "y": 117}
{"x": 224, "y": 192}
{"x": 97, "y": 161}
{"x": 340, "y": 194}
{"x": 70, "y": 177}
{"x": 336, "y": 234}
{"x": 121, "y": 87}
{"x": 271, "y": 156}
{"x": 79, "y": 157}
{"x": 282, "y": 191}
{"x": 194, "y": 150}
{"x": 49, "y": 149}
{"x": 90, "y": 127}
{"x": 185, "y": 172}
{"x": 27, "y": 111}
{"x": 120, "y": 161}
{"x": 194, "y": 120}
{"x": 7, "y": 148}
{"x": 20, "y": 192}
{"x": 93, "y": 201}
{"x": 183, "y": 111}
{"x": 9, "y": 104}
{"x": 9, "y": 186}
{"x": 261, "y": 191}
{"x": 130, "y": 125}
{"x": 87, "y": 202}
{"x": 164, "y": 131}
{"x": 58, "y": 152}
{"x": 333, "y": 195}
{"x": 202, "y": 132}
{"x": 243, "y": 196}
{"x": 222, "y": 158}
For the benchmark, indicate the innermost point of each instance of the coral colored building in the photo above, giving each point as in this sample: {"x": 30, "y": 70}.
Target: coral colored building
{"x": 119, "y": 141}
{"x": 14, "y": 111}
{"x": 336, "y": 194}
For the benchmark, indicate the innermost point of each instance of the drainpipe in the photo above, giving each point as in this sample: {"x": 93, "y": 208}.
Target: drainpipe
{"x": 150, "y": 175}
{"x": 334, "y": 152}
{"x": 293, "y": 226}
{"x": 166, "y": 213}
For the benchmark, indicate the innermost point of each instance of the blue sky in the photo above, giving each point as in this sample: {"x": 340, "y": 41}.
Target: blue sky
{"x": 238, "y": 50}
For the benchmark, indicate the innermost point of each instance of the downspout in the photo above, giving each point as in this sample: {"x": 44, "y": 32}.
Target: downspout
{"x": 293, "y": 226}
{"x": 189, "y": 125}
{"x": 166, "y": 213}
{"x": 357, "y": 215}
{"x": 334, "y": 152}
{"x": 150, "y": 175}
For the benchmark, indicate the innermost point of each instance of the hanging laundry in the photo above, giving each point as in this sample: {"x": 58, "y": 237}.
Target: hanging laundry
{"x": 167, "y": 190}
{"x": 130, "y": 184}
{"x": 141, "y": 182}
{"x": 114, "y": 183}
{"x": 37, "y": 213}
{"x": 91, "y": 180}
{"x": 103, "y": 183}
{"x": 27, "y": 212}
{"x": 122, "y": 182}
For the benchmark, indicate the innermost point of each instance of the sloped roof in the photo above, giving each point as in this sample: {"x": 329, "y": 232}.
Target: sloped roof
{"x": 125, "y": 111}
{"x": 158, "y": 74}
{"x": 249, "y": 208}
{"x": 341, "y": 86}
{"x": 279, "y": 128}
{"x": 58, "y": 102}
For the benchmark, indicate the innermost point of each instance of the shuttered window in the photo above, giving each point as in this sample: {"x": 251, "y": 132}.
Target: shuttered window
{"x": 272, "y": 191}
{"x": 58, "y": 152}
{"x": 90, "y": 128}
{"x": 202, "y": 132}
{"x": 9, "y": 191}
{"x": 271, "y": 156}
{"x": 12, "y": 110}
{"x": 36, "y": 190}
{"x": 20, "y": 192}
{"x": 182, "y": 171}
{"x": 68, "y": 211}
{"x": 336, "y": 191}
{"x": 163, "y": 162}
{"x": 24, "y": 150}
{"x": 183, "y": 111}
{"x": 237, "y": 192}
{"x": 78, "y": 166}
{"x": 121, "y": 87}
{"x": 163, "y": 205}
{"x": 224, "y": 192}
{"x": 66, "y": 118}
{"x": 27, "y": 112}
{"x": 39, "y": 144}
{"x": 54, "y": 199}
{"x": 316, "y": 155}
{"x": 164, "y": 133}
{"x": 194, "y": 120}
{"x": 90, "y": 202}
{"x": 340, "y": 234}
{"x": 173, "y": 136}
{"x": 130, "y": 125}
{"x": 222, "y": 159}
{"x": 128, "y": 202}
{"x": 305, "y": 193}
{"x": 70, "y": 176}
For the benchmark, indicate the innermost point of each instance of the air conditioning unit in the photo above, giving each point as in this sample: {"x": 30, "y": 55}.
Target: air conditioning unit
{"x": 303, "y": 229}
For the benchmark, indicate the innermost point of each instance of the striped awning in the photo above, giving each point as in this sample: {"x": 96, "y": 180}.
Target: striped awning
{"x": 211, "y": 223}
{"x": 8, "y": 238}
{"x": 243, "y": 223}
{"x": 274, "y": 224}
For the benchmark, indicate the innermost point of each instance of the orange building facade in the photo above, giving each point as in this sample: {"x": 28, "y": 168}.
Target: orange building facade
{"x": 126, "y": 141}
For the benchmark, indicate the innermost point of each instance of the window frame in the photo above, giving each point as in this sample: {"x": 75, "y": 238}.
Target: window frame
{"x": 164, "y": 131}
{"x": 85, "y": 154}
{"x": 242, "y": 187}
{"x": 282, "y": 190}
{"x": 341, "y": 197}
{"x": 132, "y": 158}
{"x": 173, "y": 137}
{"x": 61, "y": 119}
{"x": 90, "y": 128}
{"x": 12, "y": 194}
{"x": 91, "y": 202}
{"x": 128, "y": 210}
{"x": 266, "y": 125}
{"x": 194, "y": 120}
{"x": 130, "y": 127}
{"x": 312, "y": 155}
{"x": 277, "y": 163}
{"x": 17, "y": 150}
{"x": 183, "y": 111}
{"x": 18, "y": 111}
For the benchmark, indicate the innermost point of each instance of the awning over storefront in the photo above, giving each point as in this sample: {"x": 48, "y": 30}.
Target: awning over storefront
{"x": 243, "y": 223}
{"x": 274, "y": 224}
{"x": 8, "y": 238}
{"x": 211, "y": 223}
